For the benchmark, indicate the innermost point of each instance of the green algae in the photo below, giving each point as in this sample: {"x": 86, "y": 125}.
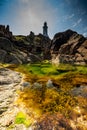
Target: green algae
{"x": 65, "y": 77}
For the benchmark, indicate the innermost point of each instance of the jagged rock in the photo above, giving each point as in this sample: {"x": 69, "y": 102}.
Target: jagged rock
{"x": 60, "y": 39}
{"x": 3, "y": 53}
{"x": 10, "y": 54}
{"x": 6, "y": 44}
{"x": 34, "y": 58}
{"x": 69, "y": 47}
{"x": 66, "y": 47}
{"x": 5, "y": 32}
{"x": 23, "y": 49}
{"x": 10, "y": 57}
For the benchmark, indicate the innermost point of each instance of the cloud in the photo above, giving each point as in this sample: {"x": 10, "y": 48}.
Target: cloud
{"x": 85, "y": 29}
{"x": 83, "y": 13}
{"x": 69, "y": 16}
{"x": 30, "y": 16}
{"x": 77, "y": 23}
{"x": 85, "y": 34}
{"x": 70, "y": 2}
{"x": 24, "y": 1}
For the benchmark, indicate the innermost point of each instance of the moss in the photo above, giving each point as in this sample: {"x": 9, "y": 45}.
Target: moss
{"x": 47, "y": 101}
{"x": 20, "y": 37}
{"x": 22, "y": 118}
{"x": 57, "y": 99}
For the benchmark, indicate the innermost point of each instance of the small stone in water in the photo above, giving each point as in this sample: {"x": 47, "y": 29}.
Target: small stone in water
{"x": 49, "y": 83}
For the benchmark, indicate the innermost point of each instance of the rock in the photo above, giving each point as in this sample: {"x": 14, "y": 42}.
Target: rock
{"x": 69, "y": 47}
{"x": 23, "y": 49}
{"x": 9, "y": 83}
{"x": 49, "y": 84}
{"x": 34, "y": 58}
{"x": 60, "y": 39}
{"x": 25, "y": 85}
{"x": 5, "y": 32}
{"x": 3, "y": 54}
{"x": 66, "y": 47}
{"x": 6, "y": 44}
{"x": 9, "y": 54}
{"x": 37, "y": 85}
{"x": 80, "y": 91}
{"x": 8, "y": 76}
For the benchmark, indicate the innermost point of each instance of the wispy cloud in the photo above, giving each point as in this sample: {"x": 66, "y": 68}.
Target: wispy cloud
{"x": 85, "y": 29}
{"x": 85, "y": 34}
{"x": 69, "y": 16}
{"x": 71, "y": 2}
{"x": 83, "y": 13}
{"x": 77, "y": 22}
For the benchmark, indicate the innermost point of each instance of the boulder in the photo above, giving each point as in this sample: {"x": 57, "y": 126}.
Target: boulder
{"x": 25, "y": 85}
{"x": 6, "y": 44}
{"x": 10, "y": 54}
{"x": 34, "y": 58}
{"x": 60, "y": 39}
{"x": 5, "y": 32}
{"x": 69, "y": 47}
{"x": 3, "y": 54}
{"x": 49, "y": 84}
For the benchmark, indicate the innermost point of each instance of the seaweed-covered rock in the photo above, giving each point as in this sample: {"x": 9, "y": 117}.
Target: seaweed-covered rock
{"x": 52, "y": 122}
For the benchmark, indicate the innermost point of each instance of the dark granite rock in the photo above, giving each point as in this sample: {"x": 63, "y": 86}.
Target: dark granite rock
{"x": 69, "y": 47}
{"x": 66, "y": 47}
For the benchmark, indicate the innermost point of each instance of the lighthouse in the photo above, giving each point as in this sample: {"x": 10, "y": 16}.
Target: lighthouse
{"x": 45, "y": 29}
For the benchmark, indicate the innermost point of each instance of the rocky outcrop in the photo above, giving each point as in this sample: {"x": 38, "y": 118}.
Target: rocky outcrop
{"x": 6, "y": 44}
{"x": 69, "y": 47}
{"x": 37, "y": 45}
{"x": 5, "y": 32}
{"x": 66, "y": 47}
{"x": 61, "y": 38}
{"x": 9, "y": 54}
{"x": 23, "y": 49}
{"x": 14, "y": 51}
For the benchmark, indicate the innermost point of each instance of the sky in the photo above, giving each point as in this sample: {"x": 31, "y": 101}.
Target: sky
{"x": 24, "y": 16}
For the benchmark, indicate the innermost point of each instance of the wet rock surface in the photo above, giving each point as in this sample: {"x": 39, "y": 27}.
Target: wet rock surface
{"x": 80, "y": 91}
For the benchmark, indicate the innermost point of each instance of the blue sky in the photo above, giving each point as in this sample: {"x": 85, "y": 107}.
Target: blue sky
{"x": 24, "y": 16}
